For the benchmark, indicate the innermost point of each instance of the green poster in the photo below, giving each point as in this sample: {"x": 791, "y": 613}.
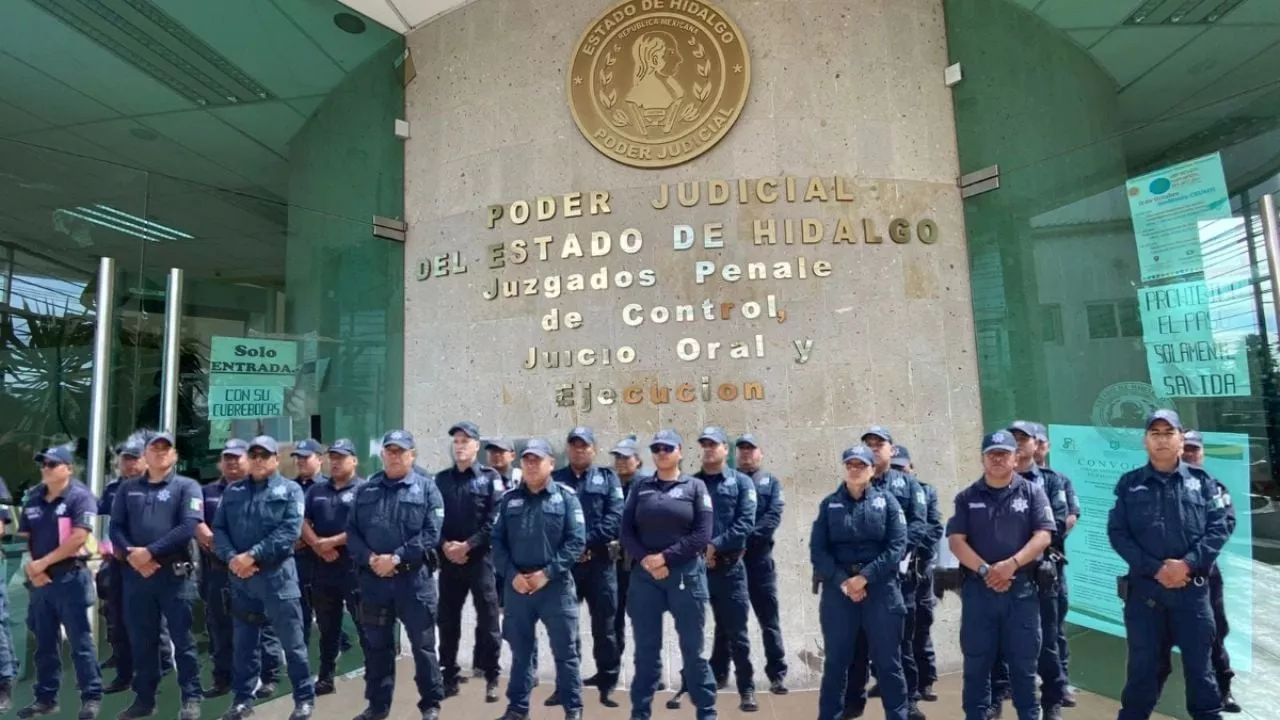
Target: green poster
{"x": 1168, "y": 208}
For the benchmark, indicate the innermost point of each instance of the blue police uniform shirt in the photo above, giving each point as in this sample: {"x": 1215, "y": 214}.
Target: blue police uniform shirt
{"x": 306, "y": 482}
{"x": 544, "y": 530}
{"x": 933, "y": 521}
{"x": 395, "y": 517}
{"x": 672, "y": 517}
{"x": 870, "y": 531}
{"x": 160, "y": 516}
{"x": 733, "y": 498}
{"x": 998, "y": 522}
{"x": 6, "y": 496}
{"x": 470, "y": 499}
{"x": 264, "y": 519}
{"x": 1161, "y": 516}
{"x": 769, "y": 504}
{"x": 42, "y": 517}
{"x": 1051, "y": 484}
{"x": 600, "y": 493}
{"x": 213, "y": 492}
{"x": 329, "y": 506}
{"x": 109, "y": 496}
{"x": 911, "y": 499}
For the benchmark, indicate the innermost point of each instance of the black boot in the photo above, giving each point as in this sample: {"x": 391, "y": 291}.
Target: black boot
{"x": 552, "y": 701}
{"x": 913, "y": 712}
{"x": 1229, "y": 703}
{"x": 491, "y": 691}
{"x": 927, "y": 694}
{"x": 324, "y": 686}
{"x": 748, "y": 701}
{"x": 605, "y": 700}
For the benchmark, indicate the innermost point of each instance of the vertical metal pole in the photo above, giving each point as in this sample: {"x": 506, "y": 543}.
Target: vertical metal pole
{"x": 1271, "y": 234}
{"x": 100, "y": 390}
{"x": 172, "y": 344}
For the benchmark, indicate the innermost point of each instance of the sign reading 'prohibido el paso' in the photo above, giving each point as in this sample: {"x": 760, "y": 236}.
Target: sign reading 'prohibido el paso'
{"x": 655, "y": 83}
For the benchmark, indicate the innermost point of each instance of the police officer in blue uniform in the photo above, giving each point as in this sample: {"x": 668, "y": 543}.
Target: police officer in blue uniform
{"x": 595, "y": 573}
{"x": 762, "y": 576}
{"x": 470, "y": 493}
{"x": 499, "y": 455}
{"x": 667, "y": 527}
{"x": 215, "y": 586}
{"x": 324, "y": 529}
{"x": 153, "y": 520}
{"x": 1001, "y": 528}
{"x": 1169, "y": 524}
{"x": 627, "y": 466}
{"x": 925, "y": 560}
{"x": 56, "y": 520}
{"x": 392, "y": 533}
{"x": 307, "y": 457}
{"x": 1193, "y": 454}
{"x": 8, "y": 663}
{"x": 733, "y": 495}
{"x": 539, "y": 536}
{"x": 911, "y": 499}
{"x": 855, "y": 546}
{"x": 255, "y": 532}
{"x": 1073, "y": 516}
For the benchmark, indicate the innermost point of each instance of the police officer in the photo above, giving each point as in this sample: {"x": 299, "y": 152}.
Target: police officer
{"x": 1053, "y": 680}
{"x": 595, "y": 574}
{"x": 61, "y": 589}
{"x": 539, "y": 536}
{"x": 1168, "y": 524}
{"x": 153, "y": 520}
{"x": 470, "y": 494}
{"x": 626, "y": 465}
{"x": 8, "y": 663}
{"x": 324, "y": 529}
{"x": 306, "y": 456}
{"x": 1001, "y": 527}
{"x": 667, "y": 527}
{"x": 215, "y": 586}
{"x": 257, "y": 527}
{"x": 911, "y": 499}
{"x": 1193, "y": 454}
{"x": 1073, "y": 516}
{"x": 855, "y": 546}
{"x": 925, "y": 559}
{"x": 500, "y": 455}
{"x": 392, "y": 533}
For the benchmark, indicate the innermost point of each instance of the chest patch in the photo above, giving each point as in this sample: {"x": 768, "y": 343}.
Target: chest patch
{"x": 278, "y": 491}
{"x": 899, "y": 483}
{"x": 878, "y": 503}
{"x": 677, "y": 493}
{"x": 347, "y": 497}
{"x": 1019, "y": 505}
{"x": 516, "y": 502}
{"x": 61, "y": 509}
{"x": 1192, "y": 485}
{"x": 163, "y": 495}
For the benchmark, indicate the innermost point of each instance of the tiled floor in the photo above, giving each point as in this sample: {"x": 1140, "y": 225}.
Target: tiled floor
{"x": 348, "y": 702}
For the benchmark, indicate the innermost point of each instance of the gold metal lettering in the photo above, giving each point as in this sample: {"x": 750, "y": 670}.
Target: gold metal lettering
{"x": 767, "y": 190}
{"x": 573, "y": 205}
{"x": 927, "y": 231}
{"x": 900, "y": 231}
{"x": 752, "y": 391}
{"x": 816, "y": 190}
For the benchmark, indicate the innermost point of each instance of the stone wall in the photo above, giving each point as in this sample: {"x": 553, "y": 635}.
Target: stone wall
{"x": 849, "y": 92}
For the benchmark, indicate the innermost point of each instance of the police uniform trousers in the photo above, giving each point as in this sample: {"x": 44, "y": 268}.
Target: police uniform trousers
{"x": 215, "y": 591}
{"x": 1064, "y": 647}
{"x": 1219, "y": 657}
{"x": 474, "y": 577}
{"x": 556, "y": 606}
{"x": 597, "y": 583}
{"x": 730, "y": 603}
{"x": 60, "y": 606}
{"x": 872, "y": 628}
{"x": 762, "y": 590}
{"x": 8, "y": 661}
{"x": 335, "y": 590}
{"x": 410, "y": 597}
{"x": 620, "y": 617}
{"x": 993, "y": 624}
{"x": 860, "y": 672}
{"x": 922, "y": 648}
{"x": 1053, "y": 679}
{"x": 109, "y": 583}
{"x": 170, "y": 595}
{"x": 270, "y": 597}
{"x": 305, "y": 561}
{"x": 1155, "y": 619}
{"x": 684, "y": 594}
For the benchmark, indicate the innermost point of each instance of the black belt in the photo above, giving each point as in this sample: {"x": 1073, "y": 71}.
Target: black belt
{"x": 727, "y": 558}
{"x": 527, "y": 569}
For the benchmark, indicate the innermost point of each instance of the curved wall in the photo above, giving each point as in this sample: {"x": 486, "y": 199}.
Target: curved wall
{"x": 850, "y": 92}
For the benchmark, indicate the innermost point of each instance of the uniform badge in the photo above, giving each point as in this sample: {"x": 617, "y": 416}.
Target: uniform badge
{"x": 415, "y": 490}
{"x": 878, "y": 503}
{"x": 556, "y": 499}
{"x": 277, "y": 491}
{"x": 1048, "y": 513}
{"x": 706, "y": 502}
{"x": 516, "y": 502}
{"x": 920, "y": 497}
{"x": 577, "y": 516}
{"x": 617, "y": 493}
{"x": 163, "y": 495}
{"x": 61, "y": 509}
{"x": 1192, "y": 485}
{"x": 899, "y": 483}
{"x": 1061, "y": 496}
{"x": 439, "y": 512}
{"x": 1019, "y": 505}
{"x": 677, "y": 493}
{"x": 347, "y": 497}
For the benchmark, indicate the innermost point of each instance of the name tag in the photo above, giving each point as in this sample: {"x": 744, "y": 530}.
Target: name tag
{"x": 835, "y": 504}
{"x": 975, "y": 506}
{"x": 516, "y": 502}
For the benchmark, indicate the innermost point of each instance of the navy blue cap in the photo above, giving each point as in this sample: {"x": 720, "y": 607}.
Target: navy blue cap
{"x": 538, "y": 447}
{"x": 499, "y": 444}
{"x": 265, "y": 442}
{"x": 582, "y": 433}
{"x": 402, "y": 439}
{"x": 861, "y": 453}
{"x": 342, "y": 446}
{"x": 714, "y": 434}
{"x": 666, "y": 437}
{"x": 879, "y": 431}
{"x": 1042, "y": 432}
{"x": 58, "y": 454}
{"x": 748, "y": 440}
{"x": 901, "y": 457}
{"x": 626, "y": 448}
{"x": 1193, "y": 438}
{"x": 1026, "y": 427}
{"x": 307, "y": 448}
{"x": 1168, "y": 416}
{"x": 235, "y": 446}
{"x": 132, "y": 447}
{"x": 467, "y": 427}
{"x": 997, "y": 441}
{"x": 165, "y": 436}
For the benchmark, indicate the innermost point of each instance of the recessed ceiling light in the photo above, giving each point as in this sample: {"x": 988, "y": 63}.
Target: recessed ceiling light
{"x": 347, "y": 22}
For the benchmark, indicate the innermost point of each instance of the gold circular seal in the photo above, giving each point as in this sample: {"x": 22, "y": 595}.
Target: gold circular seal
{"x": 655, "y": 83}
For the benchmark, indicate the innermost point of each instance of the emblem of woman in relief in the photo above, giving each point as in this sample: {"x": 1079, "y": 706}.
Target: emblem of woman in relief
{"x": 656, "y": 96}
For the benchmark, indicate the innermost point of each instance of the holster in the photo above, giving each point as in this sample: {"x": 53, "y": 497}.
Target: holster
{"x": 817, "y": 584}
{"x": 226, "y": 600}
{"x": 1122, "y": 587}
{"x": 947, "y": 578}
{"x": 431, "y": 561}
{"x": 1046, "y": 576}
{"x": 376, "y": 615}
{"x": 727, "y": 558}
{"x": 615, "y": 551}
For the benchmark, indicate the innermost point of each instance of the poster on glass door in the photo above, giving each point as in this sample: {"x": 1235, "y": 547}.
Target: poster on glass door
{"x": 1168, "y": 207}
{"x": 1195, "y": 335}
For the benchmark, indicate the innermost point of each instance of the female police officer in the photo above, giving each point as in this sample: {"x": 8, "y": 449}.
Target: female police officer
{"x": 667, "y": 524}
{"x": 856, "y": 544}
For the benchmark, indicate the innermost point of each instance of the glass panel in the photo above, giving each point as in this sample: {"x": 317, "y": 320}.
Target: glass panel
{"x": 1132, "y": 152}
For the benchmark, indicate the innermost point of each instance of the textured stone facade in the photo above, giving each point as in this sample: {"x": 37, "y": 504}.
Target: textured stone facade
{"x": 849, "y": 92}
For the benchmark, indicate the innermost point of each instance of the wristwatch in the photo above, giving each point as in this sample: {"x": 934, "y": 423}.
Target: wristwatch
{"x": 395, "y": 559}
{"x": 983, "y": 569}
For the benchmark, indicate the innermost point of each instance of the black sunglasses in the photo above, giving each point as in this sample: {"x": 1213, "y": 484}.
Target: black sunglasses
{"x": 259, "y": 455}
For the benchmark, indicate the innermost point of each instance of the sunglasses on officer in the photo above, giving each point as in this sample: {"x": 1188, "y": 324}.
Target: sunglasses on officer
{"x": 259, "y": 455}
{"x": 661, "y": 449}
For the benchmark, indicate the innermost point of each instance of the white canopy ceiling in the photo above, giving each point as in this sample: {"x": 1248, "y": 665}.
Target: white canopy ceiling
{"x": 403, "y": 15}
